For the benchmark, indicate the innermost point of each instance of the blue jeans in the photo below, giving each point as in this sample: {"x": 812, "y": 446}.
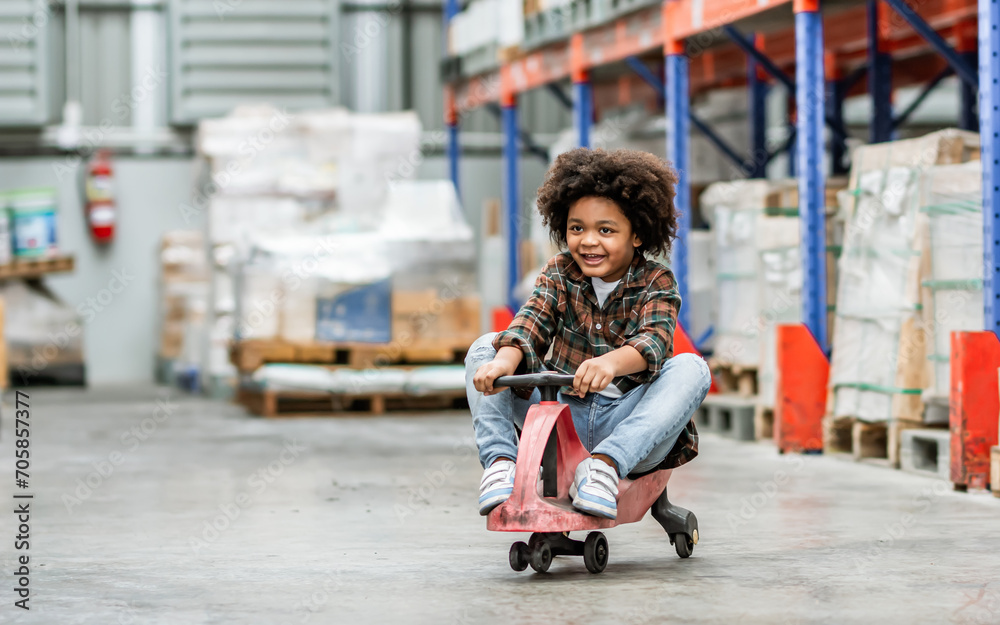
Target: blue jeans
{"x": 636, "y": 430}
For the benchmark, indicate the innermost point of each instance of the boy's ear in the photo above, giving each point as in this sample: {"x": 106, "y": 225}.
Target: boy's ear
{"x": 636, "y": 242}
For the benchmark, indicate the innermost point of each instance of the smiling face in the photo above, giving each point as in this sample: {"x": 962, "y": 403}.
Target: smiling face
{"x": 600, "y": 238}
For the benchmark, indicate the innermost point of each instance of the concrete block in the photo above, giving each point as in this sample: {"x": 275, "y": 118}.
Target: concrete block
{"x": 731, "y": 416}
{"x": 926, "y": 452}
{"x": 701, "y": 418}
{"x": 936, "y": 411}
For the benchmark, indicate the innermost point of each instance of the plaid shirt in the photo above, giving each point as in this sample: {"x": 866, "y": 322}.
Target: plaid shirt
{"x": 563, "y": 314}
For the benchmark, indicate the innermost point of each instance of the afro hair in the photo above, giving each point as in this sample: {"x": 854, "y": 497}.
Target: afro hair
{"x": 641, "y": 184}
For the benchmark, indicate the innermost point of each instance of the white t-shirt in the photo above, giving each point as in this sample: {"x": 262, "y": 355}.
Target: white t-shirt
{"x": 603, "y": 290}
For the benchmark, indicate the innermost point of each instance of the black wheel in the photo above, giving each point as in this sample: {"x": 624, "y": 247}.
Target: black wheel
{"x": 595, "y": 552}
{"x": 518, "y": 556}
{"x": 683, "y": 544}
{"x": 541, "y": 557}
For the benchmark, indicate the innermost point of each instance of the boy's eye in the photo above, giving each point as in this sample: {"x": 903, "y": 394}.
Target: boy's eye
{"x": 606, "y": 230}
{"x": 575, "y": 228}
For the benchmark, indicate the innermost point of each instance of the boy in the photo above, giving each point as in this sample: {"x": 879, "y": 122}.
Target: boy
{"x": 608, "y": 314}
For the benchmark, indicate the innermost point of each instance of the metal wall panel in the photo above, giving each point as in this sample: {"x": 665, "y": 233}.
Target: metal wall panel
{"x": 105, "y": 64}
{"x": 424, "y": 59}
{"x": 24, "y": 31}
{"x": 227, "y": 52}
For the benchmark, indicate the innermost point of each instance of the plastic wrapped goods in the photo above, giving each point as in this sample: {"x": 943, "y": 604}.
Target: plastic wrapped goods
{"x": 736, "y": 208}
{"x": 871, "y": 300}
{"x": 40, "y": 330}
{"x": 953, "y": 290}
{"x": 386, "y": 380}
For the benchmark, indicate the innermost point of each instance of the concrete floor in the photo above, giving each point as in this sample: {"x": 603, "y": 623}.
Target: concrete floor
{"x": 373, "y": 520}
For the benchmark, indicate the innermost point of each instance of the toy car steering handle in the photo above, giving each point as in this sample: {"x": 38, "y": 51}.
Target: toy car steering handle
{"x": 547, "y": 382}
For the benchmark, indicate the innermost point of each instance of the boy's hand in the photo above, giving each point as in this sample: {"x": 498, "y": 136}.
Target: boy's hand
{"x": 488, "y": 373}
{"x": 593, "y": 376}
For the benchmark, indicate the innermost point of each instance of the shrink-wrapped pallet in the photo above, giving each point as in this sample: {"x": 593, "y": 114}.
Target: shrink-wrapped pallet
{"x": 878, "y": 366}
{"x": 734, "y": 208}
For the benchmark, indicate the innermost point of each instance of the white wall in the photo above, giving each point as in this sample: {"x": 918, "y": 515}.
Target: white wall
{"x": 121, "y": 340}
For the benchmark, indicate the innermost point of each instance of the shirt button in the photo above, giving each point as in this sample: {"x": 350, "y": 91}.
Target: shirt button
{"x": 598, "y": 326}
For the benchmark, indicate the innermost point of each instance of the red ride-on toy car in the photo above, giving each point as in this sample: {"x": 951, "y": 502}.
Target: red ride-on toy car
{"x": 550, "y": 446}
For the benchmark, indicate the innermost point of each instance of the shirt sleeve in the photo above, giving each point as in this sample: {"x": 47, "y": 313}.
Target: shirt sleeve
{"x": 537, "y": 322}
{"x": 654, "y": 337}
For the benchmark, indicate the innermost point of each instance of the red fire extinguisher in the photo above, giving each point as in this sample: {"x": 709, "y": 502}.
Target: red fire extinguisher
{"x": 99, "y": 189}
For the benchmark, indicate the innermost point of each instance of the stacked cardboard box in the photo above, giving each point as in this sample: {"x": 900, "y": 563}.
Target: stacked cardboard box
{"x": 184, "y": 285}
{"x": 878, "y": 368}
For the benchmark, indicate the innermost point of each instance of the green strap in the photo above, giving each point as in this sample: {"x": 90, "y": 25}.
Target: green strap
{"x": 953, "y": 208}
{"x": 972, "y": 284}
{"x": 862, "y": 386}
{"x": 781, "y": 211}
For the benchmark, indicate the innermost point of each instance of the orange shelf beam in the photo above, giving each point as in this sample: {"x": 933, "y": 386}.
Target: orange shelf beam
{"x": 642, "y": 33}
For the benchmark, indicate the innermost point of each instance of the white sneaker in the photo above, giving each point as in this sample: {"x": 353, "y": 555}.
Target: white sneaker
{"x": 497, "y": 485}
{"x": 595, "y": 489}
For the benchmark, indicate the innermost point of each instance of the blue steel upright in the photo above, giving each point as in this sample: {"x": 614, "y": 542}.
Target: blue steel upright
{"x": 809, "y": 96}
{"x": 967, "y": 118}
{"x": 451, "y": 9}
{"x": 454, "y": 154}
{"x": 583, "y": 112}
{"x": 511, "y": 197}
{"x": 678, "y": 132}
{"x": 757, "y": 114}
{"x": 836, "y": 91}
{"x": 879, "y": 79}
{"x": 989, "y": 130}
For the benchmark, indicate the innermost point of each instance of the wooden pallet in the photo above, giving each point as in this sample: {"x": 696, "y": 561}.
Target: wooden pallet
{"x": 731, "y": 378}
{"x": 250, "y": 354}
{"x": 865, "y": 441}
{"x": 281, "y": 403}
{"x": 763, "y": 422}
{"x": 36, "y": 267}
